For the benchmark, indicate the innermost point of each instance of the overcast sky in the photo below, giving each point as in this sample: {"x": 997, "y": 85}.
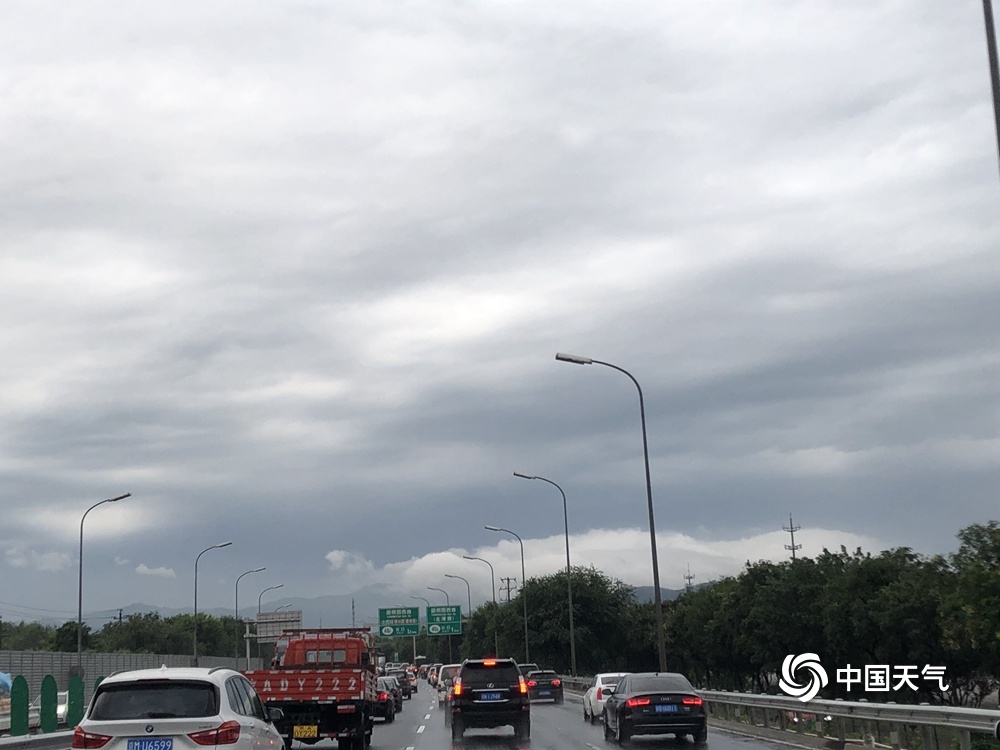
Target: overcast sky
{"x": 294, "y": 275}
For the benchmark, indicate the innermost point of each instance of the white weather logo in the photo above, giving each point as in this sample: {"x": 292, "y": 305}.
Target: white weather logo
{"x": 817, "y": 676}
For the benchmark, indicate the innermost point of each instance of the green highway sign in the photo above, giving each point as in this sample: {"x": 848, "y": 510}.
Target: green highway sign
{"x": 444, "y": 620}
{"x": 394, "y": 621}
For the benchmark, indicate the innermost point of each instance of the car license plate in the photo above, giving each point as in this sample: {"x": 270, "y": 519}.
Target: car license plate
{"x": 302, "y": 731}
{"x": 666, "y": 708}
{"x": 545, "y": 692}
{"x": 491, "y": 696}
{"x": 151, "y": 743}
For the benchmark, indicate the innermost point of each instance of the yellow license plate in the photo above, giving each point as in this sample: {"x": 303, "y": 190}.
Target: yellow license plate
{"x": 303, "y": 731}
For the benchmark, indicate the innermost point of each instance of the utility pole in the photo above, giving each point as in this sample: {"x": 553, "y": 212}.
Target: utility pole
{"x": 791, "y": 529}
{"x": 508, "y": 587}
{"x": 688, "y": 578}
{"x": 353, "y": 623}
{"x": 991, "y": 50}
{"x": 119, "y": 616}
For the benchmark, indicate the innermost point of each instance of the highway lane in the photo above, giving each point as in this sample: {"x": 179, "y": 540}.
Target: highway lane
{"x": 421, "y": 727}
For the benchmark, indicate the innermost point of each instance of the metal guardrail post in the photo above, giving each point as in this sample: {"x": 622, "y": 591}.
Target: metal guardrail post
{"x": 964, "y": 739}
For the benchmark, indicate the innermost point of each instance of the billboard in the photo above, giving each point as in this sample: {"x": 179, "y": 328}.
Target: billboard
{"x": 271, "y": 624}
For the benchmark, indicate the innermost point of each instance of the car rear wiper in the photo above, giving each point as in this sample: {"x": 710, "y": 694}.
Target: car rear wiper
{"x": 160, "y": 715}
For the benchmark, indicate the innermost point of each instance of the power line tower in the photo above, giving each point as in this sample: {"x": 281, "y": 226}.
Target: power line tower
{"x": 510, "y": 584}
{"x": 791, "y": 529}
{"x": 688, "y": 578}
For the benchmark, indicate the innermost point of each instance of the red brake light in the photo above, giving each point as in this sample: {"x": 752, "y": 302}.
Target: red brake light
{"x": 227, "y": 734}
{"x": 633, "y": 702}
{"x": 532, "y": 683}
{"x": 523, "y": 686}
{"x": 556, "y": 683}
{"x": 692, "y": 701}
{"x": 600, "y": 695}
{"x": 383, "y": 696}
{"x": 88, "y": 740}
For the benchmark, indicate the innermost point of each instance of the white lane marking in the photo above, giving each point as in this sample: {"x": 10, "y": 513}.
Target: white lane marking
{"x": 585, "y": 743}
{"x": 420, "y": 729}
{"x": 411, "y": 747}
{"x": 427, "y": 717}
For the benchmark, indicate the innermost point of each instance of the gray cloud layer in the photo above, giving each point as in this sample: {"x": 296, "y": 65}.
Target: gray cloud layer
{"x": 294, "y": 275}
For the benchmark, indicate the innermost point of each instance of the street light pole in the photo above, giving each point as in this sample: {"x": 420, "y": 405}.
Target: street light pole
{"x": 448, "y": 575}
{"x": 661, "y": 645}
{"x": 524, "y": 597}
{"x": 447, "y": 600}
{"x": 238, "y": 620}
{"x": 283, "y": 606}
{"x": 214, "y": 546}
{"x": 991, "y": 48}
{"x": 569, "y": 570}
{"x": 427, "y": 602}
{"x": 269, "y": 588}
{"x": 496, "y": 638}
{"x": 79, "y": 598}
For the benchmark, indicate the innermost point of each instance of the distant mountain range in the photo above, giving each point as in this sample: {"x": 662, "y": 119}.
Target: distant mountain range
{"x": 319, "y": 611}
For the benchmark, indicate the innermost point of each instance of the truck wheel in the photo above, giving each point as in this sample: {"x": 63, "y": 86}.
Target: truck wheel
{"x": 456, "y": 731}
{"x": 287, "y": 742}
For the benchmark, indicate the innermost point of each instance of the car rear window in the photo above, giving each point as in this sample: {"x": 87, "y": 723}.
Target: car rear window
{"x": 609, "y": 681}
{"x": 547, "y": 674}
{"x": 477, "y": 673}
{"x": 660, "y": 684}
{"x": 450, "y": 673}
{"x": 155, "y": 700}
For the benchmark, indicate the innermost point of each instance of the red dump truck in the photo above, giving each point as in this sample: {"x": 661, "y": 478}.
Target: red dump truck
{"x": 324, "y": 682}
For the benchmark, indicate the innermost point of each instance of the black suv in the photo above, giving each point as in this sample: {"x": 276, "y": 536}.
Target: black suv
{"x": 490, "y": 693}
{"x": 405, "y": 683}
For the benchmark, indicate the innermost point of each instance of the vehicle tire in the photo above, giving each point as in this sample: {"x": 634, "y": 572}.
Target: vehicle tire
{"x": 586, "y": 716}
{"x": 559, "y": 700}
{"x": 456, "y": 731}
{"x": 604, "y": 722}
{"x": 621, "y": 734}
{"x": 593, "y": 716}
{"x": 390, "y": 717}
{"x": 701, "y": 736}
{"x": 522, "y": 730}
{"x": 287, "y": 742}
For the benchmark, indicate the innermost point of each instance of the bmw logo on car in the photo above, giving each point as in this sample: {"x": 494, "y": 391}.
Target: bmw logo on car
{"x": 149, "y": 729}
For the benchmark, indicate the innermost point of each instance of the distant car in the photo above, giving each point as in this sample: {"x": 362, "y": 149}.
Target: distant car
{"x": 525, "y": 668}
{"x": 446, "y": 681}
{"x": 62, "y": 706}
{"x": 177, "y": 709}
{"x": 433, "y": 674}
{"x": 600, "y": 688}
{"x": 405, "y": 682}
{"x": 397, "y": 692}
{"x": 385, "y": 705}
{"x": 655, "y": 703}
{"x": 490, "y": 693}
{"x": 544, "y": 684}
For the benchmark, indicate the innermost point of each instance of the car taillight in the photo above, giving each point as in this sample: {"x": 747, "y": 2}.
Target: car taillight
{"x": 532, "y": 683}
{"x": 383, "y": 696}
{"x": 88, "y": 740}
{"x": 692, "y": 701}
{"x": 633, "y": 702}
{"x": 490, "y": 663}
{"x": 227, "y": 734}
{"x": 556, "y": 683}
{"x": 522, "y": 685}
{"x": 456, "y": 688}
{"x": 600, "y": 695}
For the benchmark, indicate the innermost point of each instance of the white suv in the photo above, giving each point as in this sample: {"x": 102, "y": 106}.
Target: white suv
{"x": 177, "y": 709}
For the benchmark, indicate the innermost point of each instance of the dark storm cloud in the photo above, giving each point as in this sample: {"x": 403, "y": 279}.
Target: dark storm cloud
{"x": 265, "y": 263}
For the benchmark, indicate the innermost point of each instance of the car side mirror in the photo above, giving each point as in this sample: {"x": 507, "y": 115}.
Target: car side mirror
{"x": 275, "y": 714}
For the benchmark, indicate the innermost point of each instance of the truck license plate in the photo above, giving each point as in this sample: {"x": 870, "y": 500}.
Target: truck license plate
{"x": 303, "y": 731}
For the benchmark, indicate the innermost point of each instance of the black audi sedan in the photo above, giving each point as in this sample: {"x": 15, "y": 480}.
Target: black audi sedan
{"x": 646, "y": 703}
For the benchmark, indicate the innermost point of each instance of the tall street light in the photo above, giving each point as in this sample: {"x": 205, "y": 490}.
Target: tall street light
{"x": 238, "y": 620}
{"x": 269, "y": 588}
{"x": 448, "y": 575}
{"x": 496, "y": 639}
{"x": 524, "y": 598}
{"x": 447, "y": 600}
{"x": 418, "y": 627}
{"x": 991, "y": 49}
{"x": 569, "y": 573}
{"x": 661, "y": 645}
{"x": 79, "y": 598}
{"x": 214, "y": 546}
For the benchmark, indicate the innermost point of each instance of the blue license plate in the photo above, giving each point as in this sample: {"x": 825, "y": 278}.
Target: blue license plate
{"x": 151, "y": 743}
{"x": 482, "y": 697}
{"x": 545, "y": 692}
{"x": 664, "y": 708}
